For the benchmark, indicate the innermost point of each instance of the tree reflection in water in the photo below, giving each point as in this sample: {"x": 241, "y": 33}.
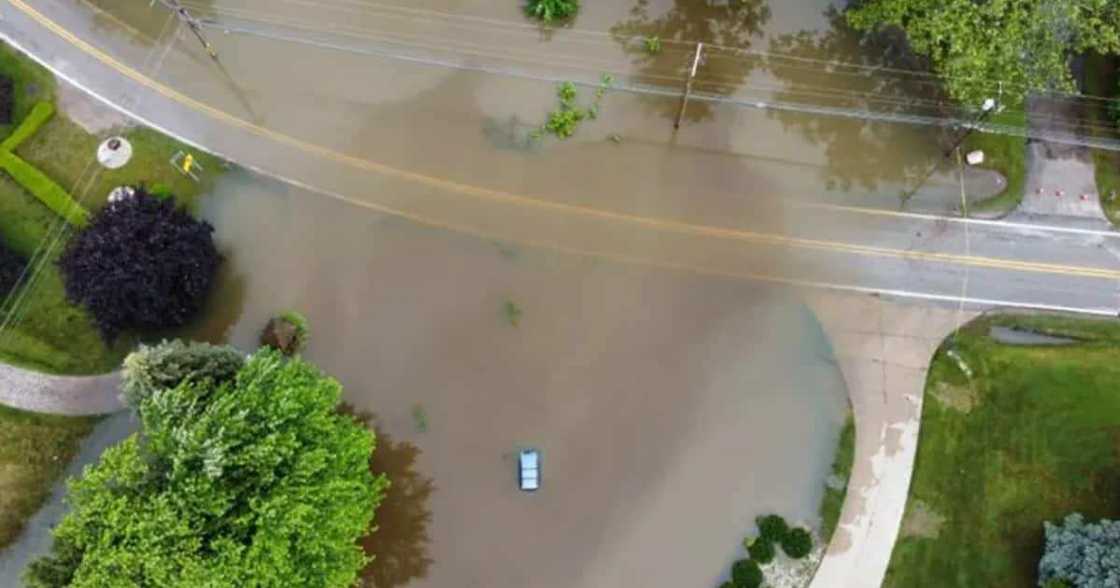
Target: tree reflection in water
{"x": 734, "y": 23}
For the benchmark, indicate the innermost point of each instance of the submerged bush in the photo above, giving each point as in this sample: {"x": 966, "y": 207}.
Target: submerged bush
{"x": 142, "y": 264}
{"x": 551, "y": 10}
{"x": 287, "y": 333}
{"x": 797, "y": 543}
{"x": 761, "y": 550}
{"x": 772, "y": 528}
{"x": 745, "y": 573}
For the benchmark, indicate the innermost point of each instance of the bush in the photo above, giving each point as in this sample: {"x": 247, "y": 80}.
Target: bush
{"x": 1081, "y": 554}
{"x": 7, "y": 100}
{"x": 12, "y": 265}
{"x": 263, "y": 484}
{"x": 39, "y": 115}
{"x": 745, "y": 573}
{"x": 164, "y": 366}
{"x": 797, "y": 543}
{"x": 761, "y": 550}
{"x": 550, "y": 10}
{"x": 772, "y": 528}
{"x": 44, "y": 189}
{"x": 141, "y": 265}
{"x": 287, "y": 333}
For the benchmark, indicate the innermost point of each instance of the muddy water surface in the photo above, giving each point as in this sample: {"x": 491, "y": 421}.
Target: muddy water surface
{"x": 670, "y": 409}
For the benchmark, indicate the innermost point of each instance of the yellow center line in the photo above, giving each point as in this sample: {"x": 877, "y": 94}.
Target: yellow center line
{"x": 518, "y": 200}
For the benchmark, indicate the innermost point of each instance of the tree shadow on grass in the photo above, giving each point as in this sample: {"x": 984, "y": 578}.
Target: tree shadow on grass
{"x": 400, "y": 543}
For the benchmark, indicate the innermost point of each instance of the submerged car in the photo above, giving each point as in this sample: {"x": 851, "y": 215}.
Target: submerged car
{"x": 529, "y": 469}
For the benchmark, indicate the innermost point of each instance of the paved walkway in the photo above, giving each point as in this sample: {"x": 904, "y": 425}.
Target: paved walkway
{"x": 883, "y": 348}
{"x": 67, "y": 395}
{"x": 1060, "y": 179}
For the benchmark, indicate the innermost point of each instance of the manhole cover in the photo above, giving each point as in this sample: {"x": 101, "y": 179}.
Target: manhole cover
{"x": 114, "y": 152}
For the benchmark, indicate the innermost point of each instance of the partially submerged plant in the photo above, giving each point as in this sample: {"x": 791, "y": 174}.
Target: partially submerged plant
{"x": 548, "y": 11}
{"x": 288, "y": 333}
{"x": 652, "y": 45}
{"x": 512, "y": 312}
{"x": 563, "y": 122}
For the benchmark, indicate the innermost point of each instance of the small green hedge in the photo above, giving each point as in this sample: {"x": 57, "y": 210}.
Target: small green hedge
{"x": 44, "y": 188}
{"x": 39, "y": 115}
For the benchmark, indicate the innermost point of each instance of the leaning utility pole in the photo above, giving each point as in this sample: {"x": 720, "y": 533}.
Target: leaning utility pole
{"x": 192, "y": 23}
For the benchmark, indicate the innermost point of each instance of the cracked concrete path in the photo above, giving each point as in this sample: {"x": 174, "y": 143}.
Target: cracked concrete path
{"x": 883, "y": 348}
{"x": 65, "y": 395}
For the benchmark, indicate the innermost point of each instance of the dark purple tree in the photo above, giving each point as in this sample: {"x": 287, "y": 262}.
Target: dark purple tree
{"x": 141, "y": 265}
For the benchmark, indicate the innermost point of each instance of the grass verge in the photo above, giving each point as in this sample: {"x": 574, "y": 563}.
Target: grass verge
{"x": 1101, "y": 78}
{"x": 1032, "y": 436}
{"x": 834, "y": 494}
{"x": 1005, "y": 154}
{"x": 47, "y": 332}
{"x": 34, "y": 451}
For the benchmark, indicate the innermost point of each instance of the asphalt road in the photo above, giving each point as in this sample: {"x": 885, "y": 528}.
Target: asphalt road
{"x": 430, "y": 144}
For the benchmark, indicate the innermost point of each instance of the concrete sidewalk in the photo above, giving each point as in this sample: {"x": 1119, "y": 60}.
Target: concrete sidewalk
{"x": 883, "y": 348}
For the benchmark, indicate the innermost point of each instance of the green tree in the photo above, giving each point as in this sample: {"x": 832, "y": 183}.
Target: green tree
{"x": 974, "y": 46}
{"x": 258, "y": 481}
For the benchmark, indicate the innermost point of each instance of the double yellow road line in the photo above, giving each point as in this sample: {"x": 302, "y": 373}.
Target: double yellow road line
{"x": 486, "y": 194}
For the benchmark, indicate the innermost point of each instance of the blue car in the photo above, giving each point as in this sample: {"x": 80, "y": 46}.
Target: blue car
{"x": 529, "y": 470}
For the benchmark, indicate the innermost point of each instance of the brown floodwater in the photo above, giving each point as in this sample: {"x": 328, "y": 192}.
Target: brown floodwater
{"x": 453, "y": 89}
{"x": 670, "y": 408}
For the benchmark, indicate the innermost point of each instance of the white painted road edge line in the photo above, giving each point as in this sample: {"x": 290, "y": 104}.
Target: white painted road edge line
{"x": 801, "y": 283}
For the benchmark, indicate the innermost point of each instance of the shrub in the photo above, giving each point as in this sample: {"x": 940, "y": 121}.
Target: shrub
{"x": 745, "y": 573}
{"x": 44, "y": 189}
{"x": 797, "y": 543}
{"x": 141, "y": 265}
{"x": 39, "y": 115}
{"x": 287, "y": 333}
{"x": 550, "y": 10}
{"x": 264, "y": 484}
{"x": 7, "y": 100}
{"x": 1081, "y": 554}
{"x": 761, "y": 550}
{"x": 166, "y": 365}
{"x": 12, "y": 265}
{"x": 772, "y": 528}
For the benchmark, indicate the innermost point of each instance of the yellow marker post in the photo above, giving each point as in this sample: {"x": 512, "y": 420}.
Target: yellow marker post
{"x": 188, "y": 163}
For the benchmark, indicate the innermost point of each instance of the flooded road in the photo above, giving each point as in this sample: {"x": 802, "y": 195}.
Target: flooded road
{"x": 669, "y": 408}
{"x": 453, "y": 89}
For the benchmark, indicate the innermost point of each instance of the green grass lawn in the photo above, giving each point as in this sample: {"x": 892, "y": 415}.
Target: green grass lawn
{"x": 833, "y": 499}
{"x": 1005, "y": 154}
{"x": 47, "y": 332}
{"x": 1033, "y": 436}
{"x": 34, "y": 451}
{"x": 1101, "y": 80}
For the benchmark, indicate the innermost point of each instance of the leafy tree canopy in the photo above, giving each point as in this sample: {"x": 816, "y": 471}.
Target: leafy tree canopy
{"x": 258, "y": 481}
{"x": 974, "y": 45}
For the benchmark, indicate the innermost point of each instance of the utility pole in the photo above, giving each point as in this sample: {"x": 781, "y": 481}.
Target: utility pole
{"x": 688, "y": 85}
{"x": 192, "y": 23}
{"x": 986, "y": 109}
